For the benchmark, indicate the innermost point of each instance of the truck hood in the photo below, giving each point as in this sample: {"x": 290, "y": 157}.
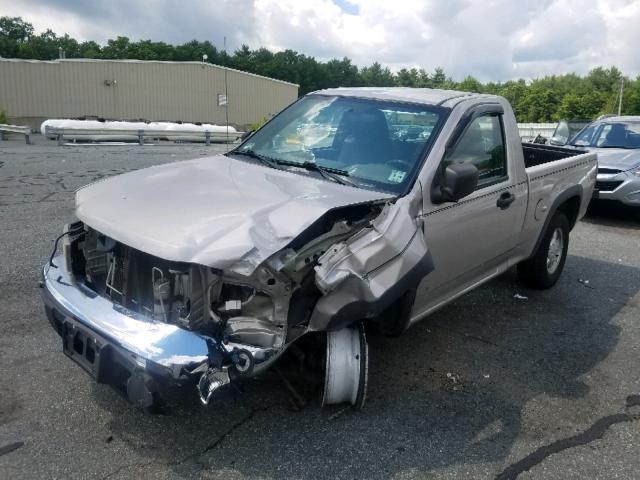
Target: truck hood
{"x": 619, "y": 158}
{"x": 214, "y": 211}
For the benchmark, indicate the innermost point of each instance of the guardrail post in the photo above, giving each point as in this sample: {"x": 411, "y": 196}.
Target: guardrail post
{"x": 207, "y": 137}
{"x": 140, "y": 137}
{"x": 60, "y": 141}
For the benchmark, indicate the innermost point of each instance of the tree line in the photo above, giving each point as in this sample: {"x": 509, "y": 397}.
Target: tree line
{"x": 545, "y": 99}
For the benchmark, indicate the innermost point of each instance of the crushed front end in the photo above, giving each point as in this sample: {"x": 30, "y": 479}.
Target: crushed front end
{"x": 143, "y": 324}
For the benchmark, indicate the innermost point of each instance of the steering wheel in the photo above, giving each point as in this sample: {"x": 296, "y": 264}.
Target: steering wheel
{"x": 405, "y": 166}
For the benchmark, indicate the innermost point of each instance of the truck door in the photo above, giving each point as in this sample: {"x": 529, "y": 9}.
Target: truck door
{"x": 472, "y": 238}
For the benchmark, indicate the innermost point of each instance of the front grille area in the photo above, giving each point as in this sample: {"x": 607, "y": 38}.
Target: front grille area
{"x": 608, "y": 185}
{"x": 125, "y": 276}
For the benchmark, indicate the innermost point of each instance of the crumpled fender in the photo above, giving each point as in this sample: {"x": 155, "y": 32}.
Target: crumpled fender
{"x": 362, "y": 276}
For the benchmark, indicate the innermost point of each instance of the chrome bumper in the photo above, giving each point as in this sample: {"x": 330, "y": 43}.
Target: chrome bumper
{"x": 149, "y": 354}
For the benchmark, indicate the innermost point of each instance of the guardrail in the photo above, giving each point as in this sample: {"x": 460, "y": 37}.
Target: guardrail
{"x": 529, "y": 131}
{"x": 176, "y": 135}
{"x": 26, "y": 131}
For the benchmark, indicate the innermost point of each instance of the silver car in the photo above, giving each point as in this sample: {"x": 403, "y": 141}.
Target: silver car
{"x": 617, "y": 142}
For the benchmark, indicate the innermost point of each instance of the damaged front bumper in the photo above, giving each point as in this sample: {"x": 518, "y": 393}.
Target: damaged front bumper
{"x": 140, "y": 357}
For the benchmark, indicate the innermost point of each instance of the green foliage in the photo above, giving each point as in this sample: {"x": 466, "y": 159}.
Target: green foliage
{"x": 545, "y": 99}
{"x": 470, "y": 84}
{"x": 257, "y": 125}
{"x": 377, "y": 76}
{"x": 3, "y": 117}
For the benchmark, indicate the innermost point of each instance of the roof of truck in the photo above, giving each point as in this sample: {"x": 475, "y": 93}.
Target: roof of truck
{"x": 429, "y": 96}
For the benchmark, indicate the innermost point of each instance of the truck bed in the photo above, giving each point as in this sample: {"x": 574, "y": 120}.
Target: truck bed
{"x": 555, "y": 174}
{"x": 537, "y": 154}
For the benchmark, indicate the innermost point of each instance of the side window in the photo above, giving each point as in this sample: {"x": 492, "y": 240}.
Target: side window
{"x": 482, "y": 144}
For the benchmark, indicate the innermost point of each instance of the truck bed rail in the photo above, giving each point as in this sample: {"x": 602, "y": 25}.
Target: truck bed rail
{"x": 538, "y": 154}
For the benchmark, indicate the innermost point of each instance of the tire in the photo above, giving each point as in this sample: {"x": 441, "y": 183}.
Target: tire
{"x": 544, "y": 268}
{"x": 347, "y": 367}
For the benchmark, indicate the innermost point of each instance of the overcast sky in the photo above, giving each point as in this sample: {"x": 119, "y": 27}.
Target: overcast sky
{"x": 490, "y": 39}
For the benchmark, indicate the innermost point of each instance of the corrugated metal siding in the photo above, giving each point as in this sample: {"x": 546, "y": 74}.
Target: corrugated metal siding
{"x": 186, "y": 91}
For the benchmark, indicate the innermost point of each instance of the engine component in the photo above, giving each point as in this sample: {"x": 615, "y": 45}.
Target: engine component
{"x": 243, "y": 361}
{"x": 161, "y": 294}
{"x": 254, "y": 331}
{"x": 210, "y": 381}
{"x": 232, "y": 307}
{"x": 347, "y": 367}
{"x": 180, "y": 301}
{"x": 104, "y": 243}
{"x": 117, "y": 276}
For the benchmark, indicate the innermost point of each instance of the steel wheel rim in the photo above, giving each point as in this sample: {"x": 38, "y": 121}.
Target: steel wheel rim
{"x": 346, "y": 364}
{"x": 556, "y": 247}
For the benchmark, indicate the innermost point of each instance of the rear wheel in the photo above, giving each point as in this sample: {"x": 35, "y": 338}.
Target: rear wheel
{"x": 543, "y": 269}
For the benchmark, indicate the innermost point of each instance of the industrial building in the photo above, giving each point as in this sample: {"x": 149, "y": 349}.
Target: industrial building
{"x": 32, "y": 91}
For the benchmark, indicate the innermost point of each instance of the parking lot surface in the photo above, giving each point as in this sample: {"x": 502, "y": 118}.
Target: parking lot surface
{"x": 503, "y": 383}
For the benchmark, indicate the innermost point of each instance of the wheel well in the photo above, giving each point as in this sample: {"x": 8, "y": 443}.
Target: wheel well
{"x": 571, "y": 208}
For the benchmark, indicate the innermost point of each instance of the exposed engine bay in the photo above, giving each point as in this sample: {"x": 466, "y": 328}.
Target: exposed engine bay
{"x": 251, "y": 319}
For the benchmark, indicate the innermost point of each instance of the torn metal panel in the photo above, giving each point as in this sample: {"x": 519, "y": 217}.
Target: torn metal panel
{"x": 360, "y": 277}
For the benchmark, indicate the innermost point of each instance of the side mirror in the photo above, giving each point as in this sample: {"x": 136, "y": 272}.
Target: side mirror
{"x": 458, "y": 181}
{"x": 558, "y": 141}
{"x": 246, "y": 135}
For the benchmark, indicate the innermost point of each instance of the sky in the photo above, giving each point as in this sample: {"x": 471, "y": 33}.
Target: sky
{"x": 489, "y": 39}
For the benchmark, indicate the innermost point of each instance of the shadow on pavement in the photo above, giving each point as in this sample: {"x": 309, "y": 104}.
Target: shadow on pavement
{"x": 450, "y": 391}
{"x": 613, "y": 214}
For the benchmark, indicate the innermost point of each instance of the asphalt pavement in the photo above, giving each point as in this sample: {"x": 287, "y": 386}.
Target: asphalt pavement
{"x": 503, "y": 383}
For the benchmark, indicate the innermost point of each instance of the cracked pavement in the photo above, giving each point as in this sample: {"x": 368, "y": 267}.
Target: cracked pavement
{"x": 491, "y": 386}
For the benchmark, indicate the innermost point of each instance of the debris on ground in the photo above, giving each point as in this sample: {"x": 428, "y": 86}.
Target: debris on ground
{"x": 517, "y": 296}
{"x": 584, "y": 282}
{"x": 454, "y": 378}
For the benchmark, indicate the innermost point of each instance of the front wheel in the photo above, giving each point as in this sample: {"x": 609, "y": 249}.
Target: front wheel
{"x": 543, "y": 269}
{"x": 347, "y": 367}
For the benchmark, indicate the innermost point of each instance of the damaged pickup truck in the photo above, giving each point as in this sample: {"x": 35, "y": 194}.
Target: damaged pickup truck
{"x": 350, "y": 206}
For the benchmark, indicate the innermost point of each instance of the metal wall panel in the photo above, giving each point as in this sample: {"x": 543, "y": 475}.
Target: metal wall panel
{"x": 131, "y": 89}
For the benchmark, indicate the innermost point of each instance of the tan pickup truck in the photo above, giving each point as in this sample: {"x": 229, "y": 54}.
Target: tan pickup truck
{"x": 352, "y": 206}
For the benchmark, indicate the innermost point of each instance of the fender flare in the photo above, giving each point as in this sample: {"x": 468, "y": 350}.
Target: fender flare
{"x": 573, "y": 191}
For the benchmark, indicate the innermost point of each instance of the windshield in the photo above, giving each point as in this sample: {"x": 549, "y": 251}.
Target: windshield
{"x": 609, "y": 135}
{"x": 566, "y": 130}
{"x": 377, "y": 145}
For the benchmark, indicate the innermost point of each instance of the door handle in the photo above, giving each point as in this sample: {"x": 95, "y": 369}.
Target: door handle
{"x": 505, "y": 200}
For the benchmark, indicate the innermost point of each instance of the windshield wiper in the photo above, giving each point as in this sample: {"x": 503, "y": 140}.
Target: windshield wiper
{"x": 269, "y": 162}
{"x": 334, "y": 174}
